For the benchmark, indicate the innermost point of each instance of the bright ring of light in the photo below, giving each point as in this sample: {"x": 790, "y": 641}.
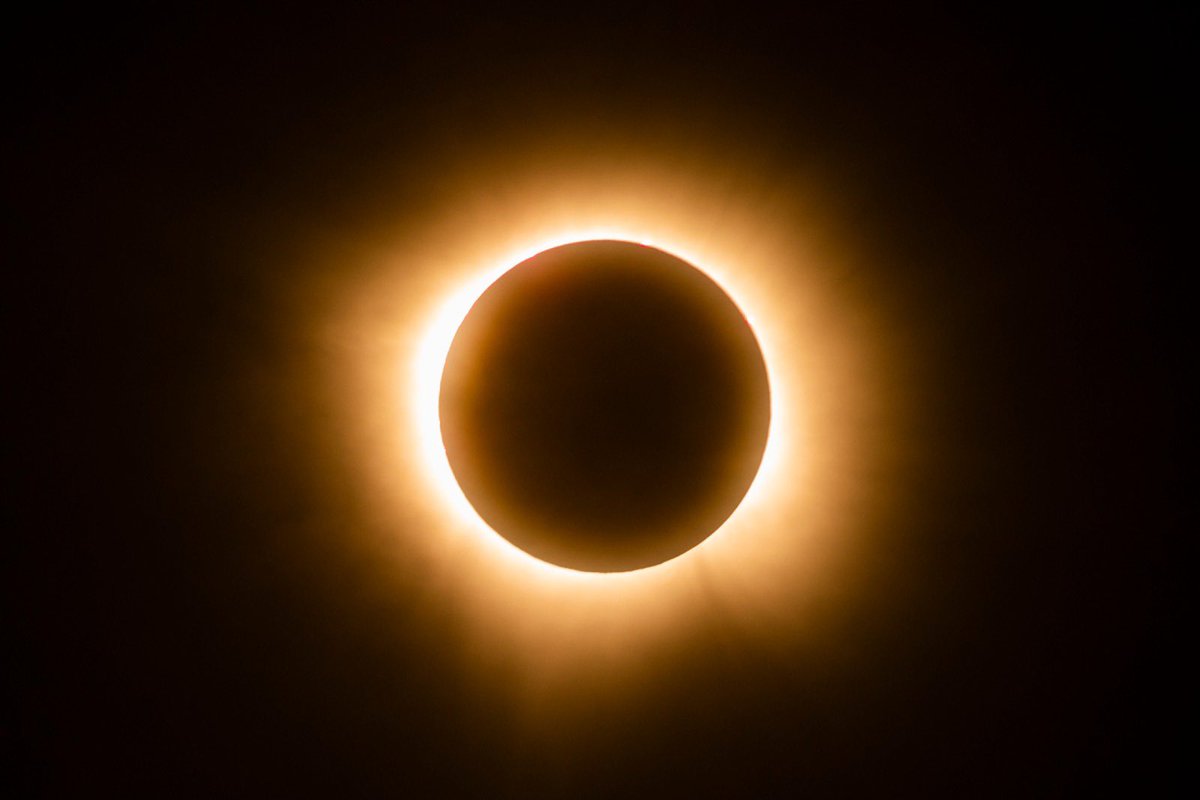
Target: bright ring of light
{"x": 431, "y": 357}
{"x": 797, "y": 529}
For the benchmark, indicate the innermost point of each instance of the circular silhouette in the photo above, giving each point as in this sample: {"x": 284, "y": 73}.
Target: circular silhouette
{"x": 604, "y": 406}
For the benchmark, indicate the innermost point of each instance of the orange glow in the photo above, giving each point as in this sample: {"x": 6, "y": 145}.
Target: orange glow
{"x": 795, "y": 533}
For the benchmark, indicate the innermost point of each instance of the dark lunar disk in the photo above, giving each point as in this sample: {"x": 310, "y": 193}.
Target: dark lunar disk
{"x": 604, "y": 406}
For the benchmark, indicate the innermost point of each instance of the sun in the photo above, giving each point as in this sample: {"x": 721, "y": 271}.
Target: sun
{"x": 430, "y": 358}
{"x": 641, "y": 417}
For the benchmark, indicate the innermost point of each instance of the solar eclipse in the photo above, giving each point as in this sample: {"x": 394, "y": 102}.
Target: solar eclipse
{"x": 604, "y": 406}
{"x": 858, "y": 478}
{"x": 402, "y": 297}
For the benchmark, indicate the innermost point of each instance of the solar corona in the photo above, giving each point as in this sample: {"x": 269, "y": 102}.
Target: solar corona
{"x": 625, "y": 402}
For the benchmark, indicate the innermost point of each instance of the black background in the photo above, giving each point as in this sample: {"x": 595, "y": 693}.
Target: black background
{"x": 1020, "y": 168}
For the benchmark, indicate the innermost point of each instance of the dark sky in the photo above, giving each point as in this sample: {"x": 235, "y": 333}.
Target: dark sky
{"x": 170, "y": 632}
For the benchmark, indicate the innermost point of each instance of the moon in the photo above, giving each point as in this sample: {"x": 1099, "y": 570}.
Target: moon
{"x": 604, "y": 406}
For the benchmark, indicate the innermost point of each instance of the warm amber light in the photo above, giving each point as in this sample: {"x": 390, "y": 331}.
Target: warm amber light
{"x": 794, "y": 534}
